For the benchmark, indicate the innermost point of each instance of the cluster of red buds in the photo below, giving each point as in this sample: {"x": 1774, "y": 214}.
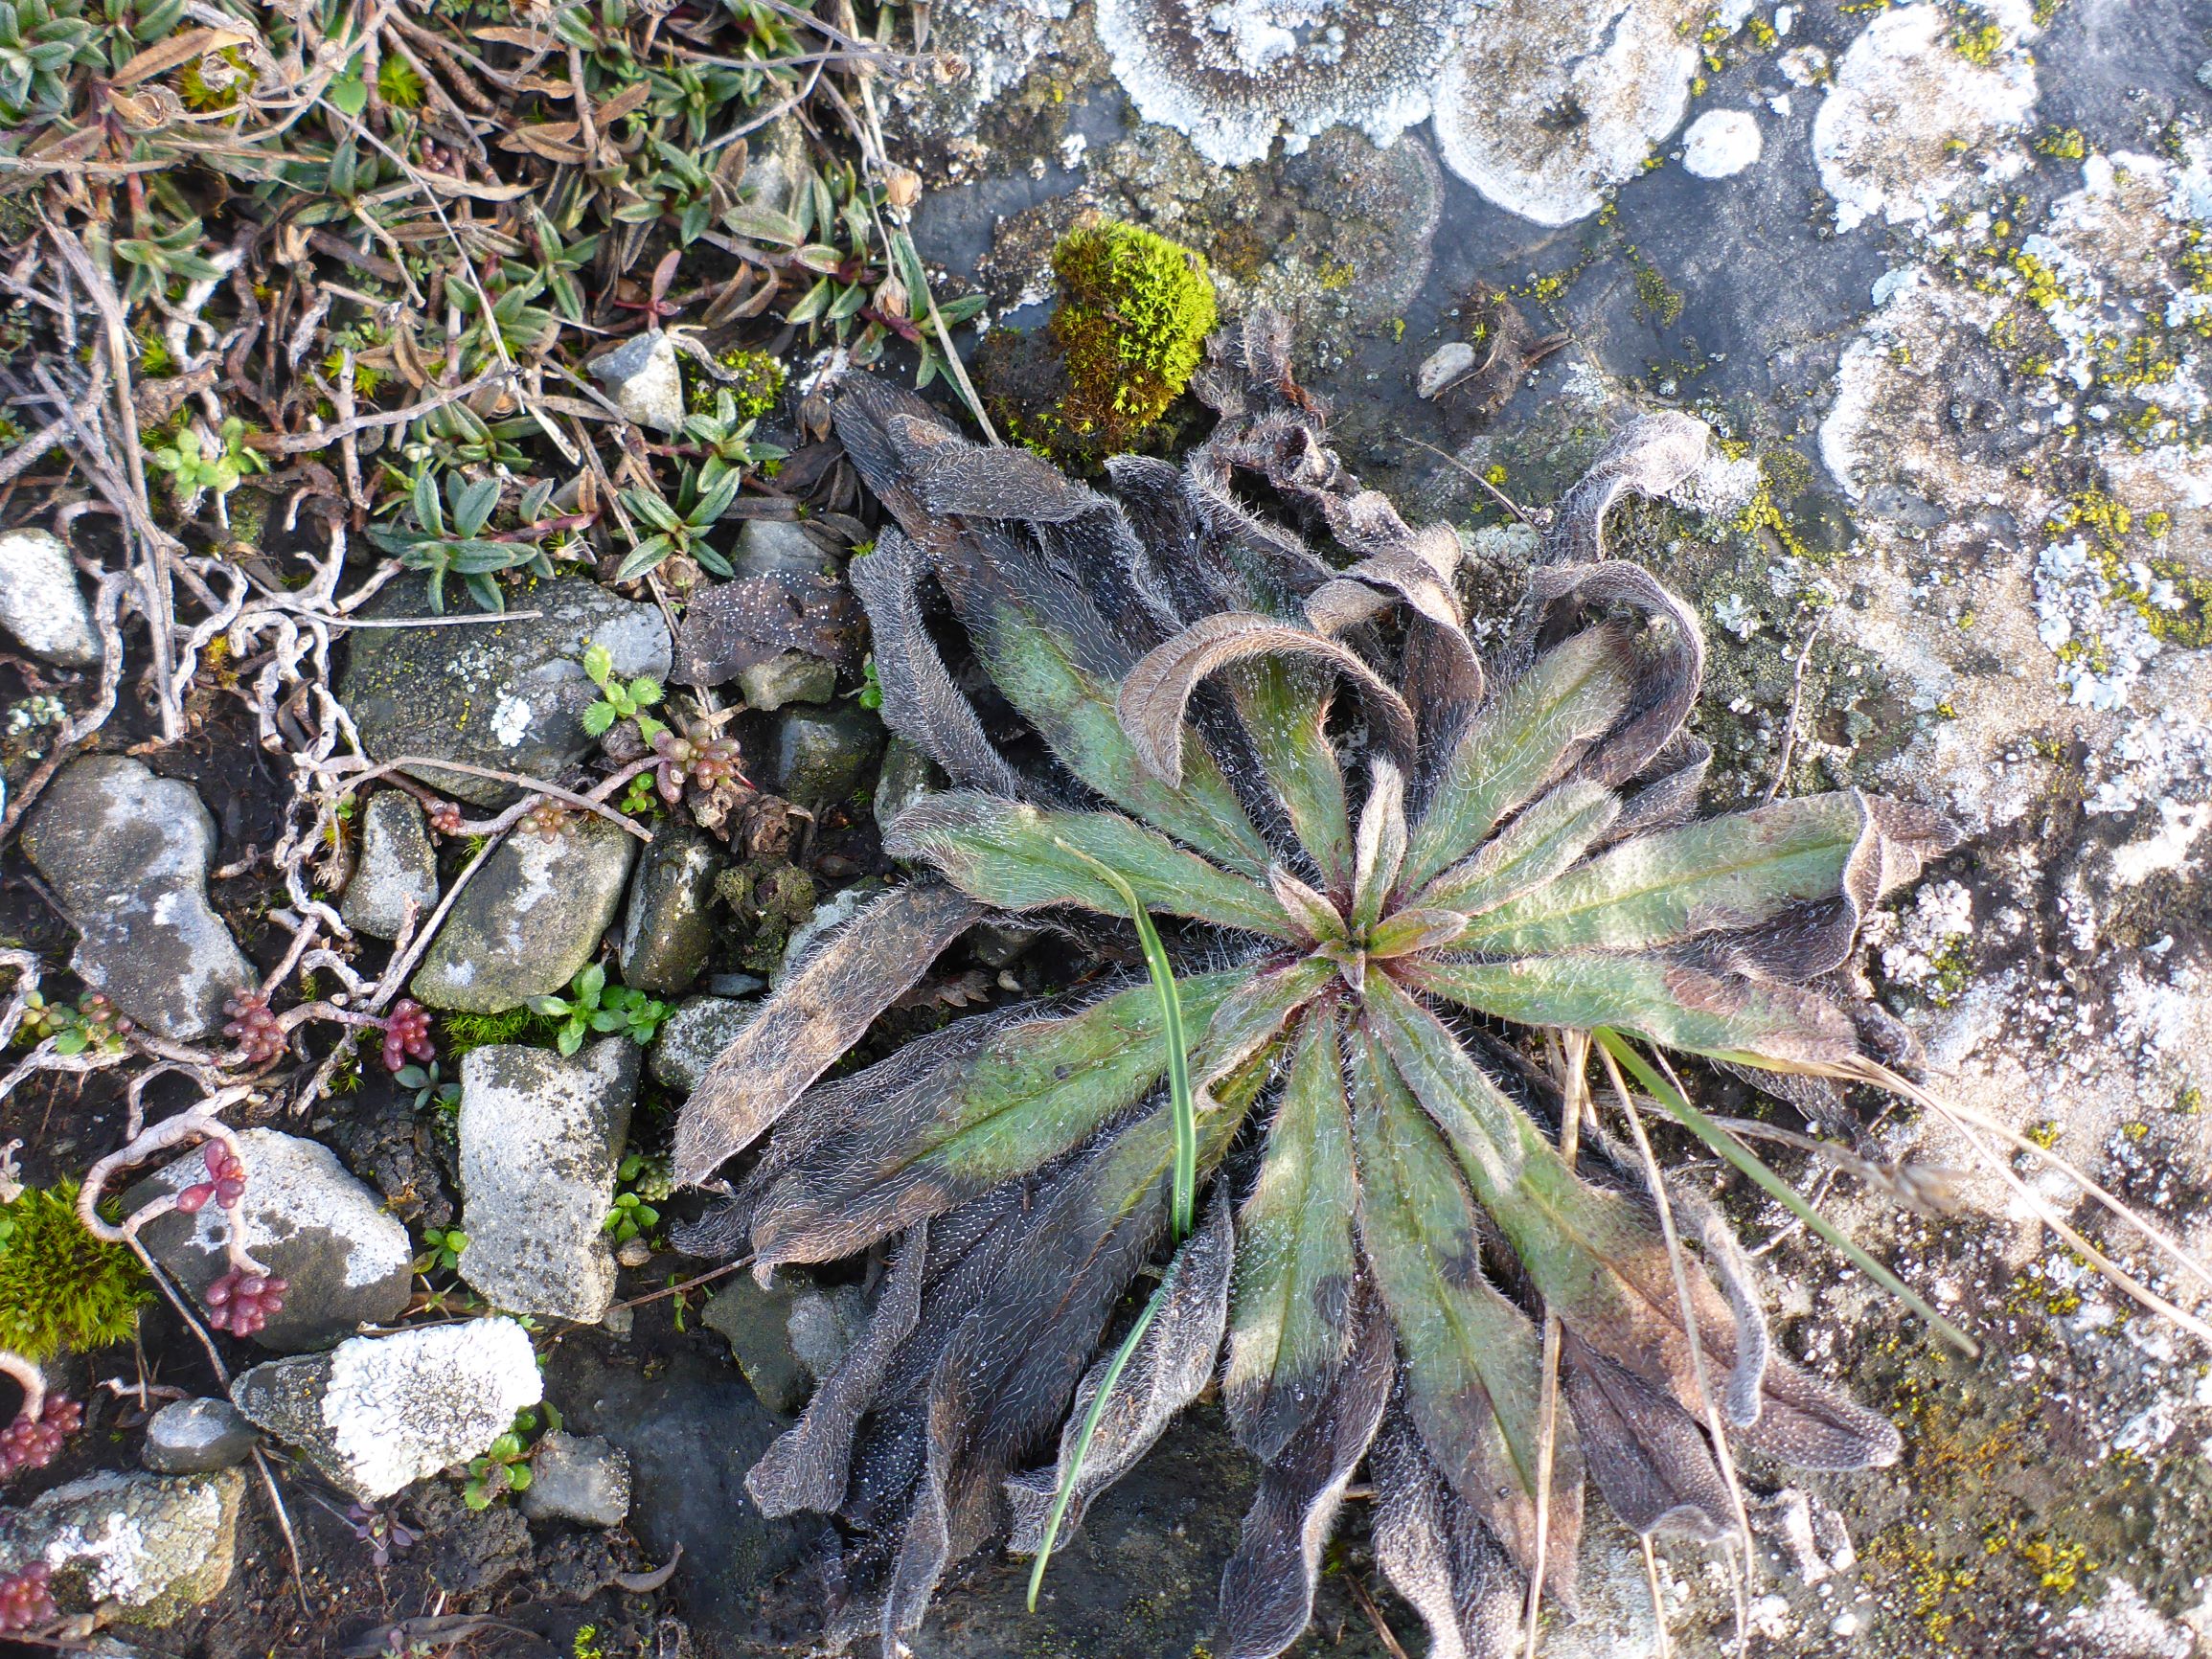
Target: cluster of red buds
{"x": 445, "y": 818}
{"x": 27, "y": 1598}
{"x": 546, "y": 817}
{"x": 242, "y": 1301}
{"x": 225, "y": 1183}
{"x": 704, "y": 761}
{"x": 408, "y": 1035}
{"x": 254, "y": 1027}
{"x": 31, "y": 1443}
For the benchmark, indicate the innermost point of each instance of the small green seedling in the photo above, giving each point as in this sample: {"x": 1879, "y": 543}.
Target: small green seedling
{"x": 430, "y": 1088}
{"x": 592, "y": 1004}
{"x": 633, "y": 1215}
{"x": 441, "y": 1248}
{"x": 505, "y": 1465}
{"x": 192, "y": 469}
{"x": 618, "y": 701}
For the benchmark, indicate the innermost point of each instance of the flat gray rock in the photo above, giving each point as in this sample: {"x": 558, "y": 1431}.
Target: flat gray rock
{"x": 533, "y": 915}
{"x": 347, "y": 1260}
{"x": 906, "y": 776}
{"x": 645, "y": 381}
{"x": 196, "y": 1437}
{"x": 40, "y": 602}
{"x": 540, "y": 1137}
{"x": 779, "y": 547}
{"x": 579, "y": 1478}
{"x": 128, "y": 854}
{"x": 789, "y": 677}
{"x": 508, "y": 694}
{"x": 397, "y": 865}
{"x": 822, "y": 753}
{"x": 128, "y": 1547}
{"x": 379, "y": 1413}
{"x": 668, "y": 933}
{"x": 755, "y": 1323}
{"x": 694, "y": 1036}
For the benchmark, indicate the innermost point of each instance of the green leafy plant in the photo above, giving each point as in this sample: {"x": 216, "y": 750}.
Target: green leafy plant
{"x": 681, "y": 527}
{"x": 617, "y": 699}
{"x": 441, "y": 1248}
{"x": 727, "y": 436}
{"x": 192, "y": 469}
{"x": 157, "y": 257}
{"x": 448, "y": 536}
{"x": 94, "y": 1025}
{"x": 431, "y": 1089}
{"x": 505, "y": 1465}
{"x": 1307, "y": 1120}
{"x": 592, "y": 1004}
{"x": 60, "y": 1287}
{"x": 643, "y": 1183}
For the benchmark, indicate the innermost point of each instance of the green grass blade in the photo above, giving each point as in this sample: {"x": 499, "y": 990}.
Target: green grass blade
{"x": 1083, "y": 1441}
{"x": 1186, "y": 1190}
{"x": 1783, "y": 1194}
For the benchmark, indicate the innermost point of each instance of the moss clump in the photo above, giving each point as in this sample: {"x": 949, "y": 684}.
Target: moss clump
{"x": 59, "y": 1287}
{"x": 1135, "y": 312}
{"x": 463, "y": 1031}
{"x": 754, "y": 381}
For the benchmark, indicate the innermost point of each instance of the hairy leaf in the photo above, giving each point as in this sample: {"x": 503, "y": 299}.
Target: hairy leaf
{"x": 1172, "y": 1362}
{"x": 1437, "y": 1553}
{"x": 1156, "y": 693}
{"x": 1381, "y": 851}
{"x": 1525, "y": 737}
{"x": 1646, "y": 1454}
{"x": 921, "y": 703}
{"x": 1728, "y": 1016}
{"x": 1285, "y": 707}
{"x": 1028, "y": 1093}
{"x": 820, "y": 1013}
{"x": 1721, "y": 873}
{"x": 1291, "y": 1320}
{"x": 1267, "y": 1586}
{"x": 1472, "y": 1361}
{"x": 1013, "y": 857}
{"x": 1598, "y": 1257}
{"x": 807, "y": 1466}
{"x": 1544, "y": 838}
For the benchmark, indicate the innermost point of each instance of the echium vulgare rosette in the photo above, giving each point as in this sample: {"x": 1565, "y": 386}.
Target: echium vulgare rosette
{"x": 1369, "y": 894}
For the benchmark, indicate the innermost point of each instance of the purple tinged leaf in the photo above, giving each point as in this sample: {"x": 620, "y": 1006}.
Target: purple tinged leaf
{"x": 1013, "y": 857}
{"x": 1171, "y": 1363}
{"x": 1532, "y": 730}
{"x": 1472, "y": 1361}
{"x": 1268, "y": 1586}
{"x": 1156, "y": 691}
{"x": 1290, "y": 1325}
{"x": 813, "y": 1018}
{"x": 1438, "y": 1555}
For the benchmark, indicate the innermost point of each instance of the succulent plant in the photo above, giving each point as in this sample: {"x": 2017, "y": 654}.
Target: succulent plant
{"x": 1370, "y": 897}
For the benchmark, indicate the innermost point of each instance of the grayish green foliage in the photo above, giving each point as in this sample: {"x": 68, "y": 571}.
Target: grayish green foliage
{"x": 1390, "y": 1215}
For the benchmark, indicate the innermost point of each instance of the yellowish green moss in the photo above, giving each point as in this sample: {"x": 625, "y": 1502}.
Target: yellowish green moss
{"x": 1135, "y": 309}
{"x": 59, "y": 1287}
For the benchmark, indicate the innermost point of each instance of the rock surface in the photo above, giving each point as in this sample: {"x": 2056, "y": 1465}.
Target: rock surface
{"x": 397, "y": 866}
{"x": 906, "y": 775}
{"x": 533, "y": 914}
{"x": 379, "y": 1413}
{"x": 508, "y": 694}
{"x": 669, "y": 932}
{"x": 40, "y": 602}
{"x": 128, "y": 854}
{"x": 196, "y": 1437}
{"x": 756, "y": 1324}
{"x": 788, "y": 677}
{"x": 540, "y": 1138}
{"x": 691, "y": 1037}
{"x": 645, "y": 381}
{"x": 579, "y": 1478}
{"x": 130, "y": 1548}
{"x": 346, "y": 1260}
{"x": 822, "y": 753}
